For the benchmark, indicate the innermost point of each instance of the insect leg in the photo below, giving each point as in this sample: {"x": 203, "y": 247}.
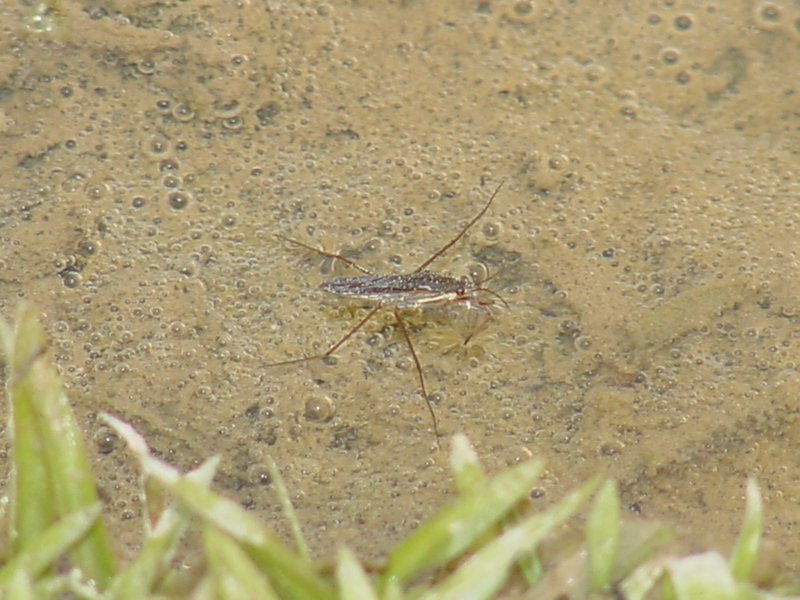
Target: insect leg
{"x": 328, "y": 254}
{"x": 404, "y": 329}
{"x": 363, "y": 322}
{"x": 333, "y": 348}
{"x": 449, "y": 244}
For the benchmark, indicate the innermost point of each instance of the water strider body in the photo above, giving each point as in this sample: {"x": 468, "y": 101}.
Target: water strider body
{"x": 406, "y": 291}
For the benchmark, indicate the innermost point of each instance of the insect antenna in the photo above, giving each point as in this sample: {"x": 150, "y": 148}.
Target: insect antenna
{"x": 449, "y": 244}
{"x": 483, "y": 305}
{"x": 480, "y": 287}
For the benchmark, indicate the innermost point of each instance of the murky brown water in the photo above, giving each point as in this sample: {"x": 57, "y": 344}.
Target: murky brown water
{"x": 647, "y": 235}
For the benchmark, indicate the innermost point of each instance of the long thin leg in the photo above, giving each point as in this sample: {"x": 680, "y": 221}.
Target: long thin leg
{"x": 328, "y": 254}
{"x": 449, "y": 244}
{"x": 333, "y": 348}
{"x": 404, "y": 329}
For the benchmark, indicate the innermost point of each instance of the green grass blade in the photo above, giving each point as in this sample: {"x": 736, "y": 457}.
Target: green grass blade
{"x": 642, "y": 580}
{"x": 53, "y": 543}
{"x": 51, "y": 470}
{"x": 288, "y": 510}
{"x": 467, "y": 470}
{"x": 746, "y": 549}
{"x": 141, "y": 575}
{"x": 602, "y": 536}
{"x": 454, "y": 528}
{"x": 32, "y": 509}
{"x": 18, "y": 586}
{"x": 234, "y": 574}
{"x": 485, "y": 572}
{"x": 531, "y": 568}
{"x": 292, "y": 576}
{"x": 638, "y": 542}
{"x": 152, "y": 562}
{"x": 703, "y": 576}
{"x": 351, "y": 579}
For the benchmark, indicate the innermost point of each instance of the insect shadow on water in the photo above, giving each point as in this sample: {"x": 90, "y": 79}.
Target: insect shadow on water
{"x": 413, "y": 290}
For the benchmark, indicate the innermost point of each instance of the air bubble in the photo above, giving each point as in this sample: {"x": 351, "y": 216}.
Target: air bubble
{"x": 522, "y": 12}
{"x": 375, "y": 340}
{"x": 259, "y": 475}
{"x": 171, "y": 182}
{"x": 157, "y": 145}
{"x": 595, "y": 73}
{"x": 491, "y": 230}
{"x": 146, "y": 67}
{"x": 628, "y": 110}
{"x": 105, "y": 440}
{"x": 611, "y": 448}
{"x": 74, "y": 181}
{"x": 96, "y": 191}
{"x": 523, "y": 9}
{"x": 233, "y": 123}
{"x": 88, "y": 247}
{"x": 319, "y": 410}
{"x": 183, "y": 113}
{"x": 178, "y": 200}
{"x": 683, "y": 22}
{"x": 516, "y": 455}
{"x": 478, "y": 273}
{"x": 373, "y": 245}
{"x": 168, "y": 165}
{"x": 769, "y": 12}
{"x": 768, "y": 16}
{"x": 558, "y": 162}
{"x": 670, "y": 56}
{"x": 71, "y": 279}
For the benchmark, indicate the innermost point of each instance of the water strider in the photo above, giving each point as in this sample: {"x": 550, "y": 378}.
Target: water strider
{"x": 398, "y": 292}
